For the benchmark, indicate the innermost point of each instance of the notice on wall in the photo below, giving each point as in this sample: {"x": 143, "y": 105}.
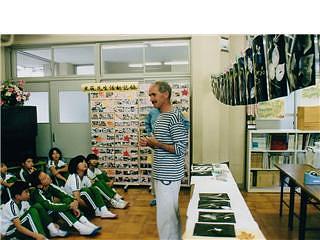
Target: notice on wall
{"x": 271, "y": 109}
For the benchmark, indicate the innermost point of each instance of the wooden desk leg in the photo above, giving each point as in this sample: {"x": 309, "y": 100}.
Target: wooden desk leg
{"x": 282, "y": 177}
{"x": 303, "y": 215}
{"x": 291, "y": 205}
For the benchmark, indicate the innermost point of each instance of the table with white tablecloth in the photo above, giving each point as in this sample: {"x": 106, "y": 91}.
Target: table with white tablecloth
{"x": 222, "y": 181}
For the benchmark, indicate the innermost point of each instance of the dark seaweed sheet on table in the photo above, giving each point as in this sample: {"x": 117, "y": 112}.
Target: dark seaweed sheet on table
{"x": 211, "y": 204}
{"x": 214, "y": 230}
{"x": 214, "y": 196}
{"x": 221, "y": 217}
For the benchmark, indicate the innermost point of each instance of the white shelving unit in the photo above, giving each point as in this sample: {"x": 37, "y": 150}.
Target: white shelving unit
{"x": 267, "y": 147}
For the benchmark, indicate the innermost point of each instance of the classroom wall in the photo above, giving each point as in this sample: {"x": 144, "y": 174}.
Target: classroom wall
{"x": 218, "y": 131}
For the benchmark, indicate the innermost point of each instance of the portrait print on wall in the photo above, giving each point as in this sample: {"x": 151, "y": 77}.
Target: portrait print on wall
{"x": 259, "y": 67}
{"x": 242, "y": 81}
{"x": 300, "y": 59}
{"x": 249, "y": 76}
{"x": 219, "y": 88}
{"x": 276, "y": 66}
{"x": 223, "y": 87}
{"x": 231, "y": 87}
{"x": 236, "y": 84}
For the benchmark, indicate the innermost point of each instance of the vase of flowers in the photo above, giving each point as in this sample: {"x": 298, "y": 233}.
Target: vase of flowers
{"x": 12, "y": 94}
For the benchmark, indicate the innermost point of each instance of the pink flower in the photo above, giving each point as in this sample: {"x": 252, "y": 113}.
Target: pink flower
{"x": 18, "y": 98}
{"x": 21, "y": 83}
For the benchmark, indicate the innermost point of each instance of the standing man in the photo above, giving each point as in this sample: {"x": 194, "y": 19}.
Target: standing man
{"x": 169, "y": 141}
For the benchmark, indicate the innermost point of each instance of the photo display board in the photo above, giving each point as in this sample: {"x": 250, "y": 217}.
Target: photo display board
{"x": 118, "y": 111}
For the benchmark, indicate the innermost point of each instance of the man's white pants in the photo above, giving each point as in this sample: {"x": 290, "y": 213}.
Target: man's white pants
{"x": 168, "y": 217}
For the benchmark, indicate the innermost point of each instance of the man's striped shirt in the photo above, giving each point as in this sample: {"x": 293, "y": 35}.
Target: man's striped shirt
{"x": 169, "y": 129}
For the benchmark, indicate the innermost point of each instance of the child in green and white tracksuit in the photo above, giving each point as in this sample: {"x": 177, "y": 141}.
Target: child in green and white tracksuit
{"x": 20, "y": 220}
{"x": 80, "y": 186}
{"x": 26, "y": 168}
{"x": 57, "y": 167}
{"x": 100, "y": 181}
{"x": 66, "y": 208}
{"x": 6, "y": 181}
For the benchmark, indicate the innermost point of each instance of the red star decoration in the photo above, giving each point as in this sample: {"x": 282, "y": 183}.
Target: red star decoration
{"x": 95, "y": 151}
{"x": 126, "y": 138}
{"x": 185, "y": 92}
{"x": 126, "y": 153}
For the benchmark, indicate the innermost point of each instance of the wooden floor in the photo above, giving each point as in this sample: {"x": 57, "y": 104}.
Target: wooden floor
{"x": 139, "y": 220}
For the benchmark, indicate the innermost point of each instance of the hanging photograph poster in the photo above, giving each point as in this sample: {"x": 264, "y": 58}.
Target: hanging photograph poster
{"x": 236, "y": 84}
{"x": 214, "y": 84}
{"x": 219, "y": 77}
{"x": 259, "y": 68}
{"x": 225, "y": 88}
{"x": 276, "y": 65}
{"x": 251, "y": 87}
{"x": 300, "y": 58}
{"x": 231, "y": 87}
{"x": 242, "y": 81}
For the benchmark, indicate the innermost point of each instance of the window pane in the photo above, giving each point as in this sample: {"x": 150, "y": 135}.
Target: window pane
{"x": 41, "y": 100}
{"x": 68, "y": 60}
{"x": 122, "y": 58}
{"x": 33, "y": 63}
{"x": 73, "y": 107}
{"x": 85, "y": 70}
{"x": 167, "y": 56}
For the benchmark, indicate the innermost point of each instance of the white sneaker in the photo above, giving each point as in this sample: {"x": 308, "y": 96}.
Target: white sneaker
{"x": 118, "y": 197}
{"x": 84, "y": 229}
{"x": 86, "y": 222}
{"x": 119, "y": 203}
{"x": 105, "y": 213}
{"x": 58, "y": 233}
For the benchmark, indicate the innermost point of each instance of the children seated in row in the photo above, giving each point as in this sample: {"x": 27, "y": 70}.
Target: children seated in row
{"x": 20, "y": 220}
{"x": 64, "y": 206}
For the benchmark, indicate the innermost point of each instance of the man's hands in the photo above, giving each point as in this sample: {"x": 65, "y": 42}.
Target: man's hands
{"x": 149, "y": 141}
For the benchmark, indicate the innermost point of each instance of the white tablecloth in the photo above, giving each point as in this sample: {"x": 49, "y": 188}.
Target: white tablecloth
{"x": 213, "y": 184}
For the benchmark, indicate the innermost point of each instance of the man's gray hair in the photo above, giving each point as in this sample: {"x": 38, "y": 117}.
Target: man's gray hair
{"x": 163, "y": 87}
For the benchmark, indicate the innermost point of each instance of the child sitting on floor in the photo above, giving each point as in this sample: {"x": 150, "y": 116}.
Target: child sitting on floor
{"x": 57, "y": 167}
{"x": 80, "y": 186}
{"x": 66, "y": 208}
{"x": 19, "y": 220}
{"x": 101, "y": 179}
{"x": 6, "y": 181}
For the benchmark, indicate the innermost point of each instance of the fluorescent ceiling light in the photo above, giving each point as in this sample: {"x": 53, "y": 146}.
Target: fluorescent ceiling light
{"x": 176, "y": 63}
{"x": 153, "y": 63}
{"x": 123, "y": 46}
{"x": 135, "y": 65}
{"x": 169, "y": 44}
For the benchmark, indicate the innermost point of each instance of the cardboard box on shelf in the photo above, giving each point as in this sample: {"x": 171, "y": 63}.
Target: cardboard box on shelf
{"x": 309, "y": 118}
{"x": 268, "y": 179}
{"x": 265, "y": 179}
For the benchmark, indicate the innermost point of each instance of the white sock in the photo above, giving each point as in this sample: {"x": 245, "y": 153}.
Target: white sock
{"x": 97, "y": 211}
{"x": 104, "y": 208}
{"x": 52, "y": 228}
